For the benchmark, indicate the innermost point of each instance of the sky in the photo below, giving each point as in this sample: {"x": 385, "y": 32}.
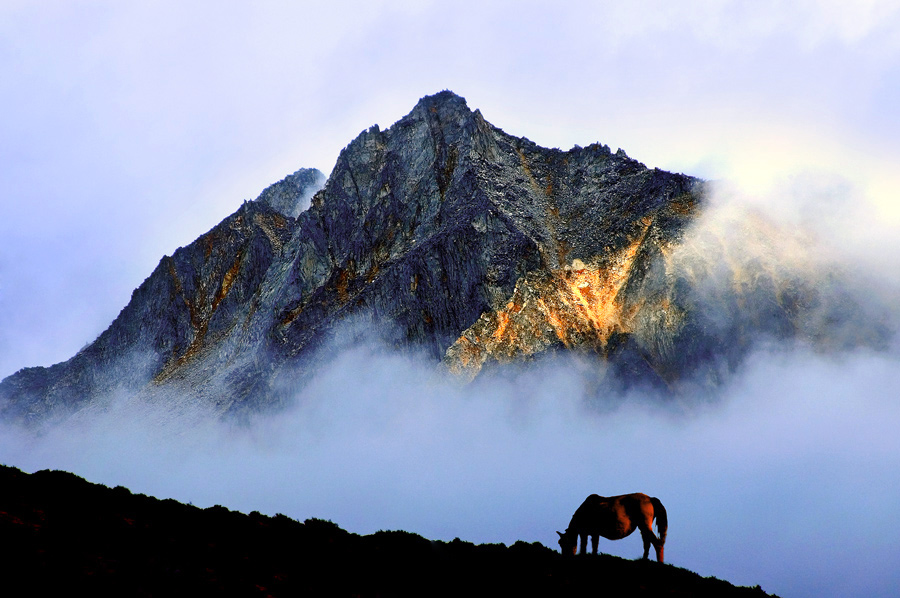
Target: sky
{"x": 128, "y": 129}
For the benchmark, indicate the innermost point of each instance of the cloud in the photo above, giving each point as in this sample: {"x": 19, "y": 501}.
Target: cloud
{"x": 131, "y": 130}
{"x": 784, "y": 480}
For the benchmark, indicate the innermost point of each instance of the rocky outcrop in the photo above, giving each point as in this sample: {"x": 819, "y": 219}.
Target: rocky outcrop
{"x": 194, "y": 300}
{"x": 292, "y": 194}
{"x": 470, "y": 244}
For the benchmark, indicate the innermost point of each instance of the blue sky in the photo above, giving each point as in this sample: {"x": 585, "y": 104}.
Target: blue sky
{"x": 128, "y": 129}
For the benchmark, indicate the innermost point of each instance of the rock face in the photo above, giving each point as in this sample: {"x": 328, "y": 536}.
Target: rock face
{"x": 192, "y": 302}
{"x": 473, "y": 245}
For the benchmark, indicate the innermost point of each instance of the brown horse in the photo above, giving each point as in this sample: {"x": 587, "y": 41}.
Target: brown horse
{"x": 615, "y": 517}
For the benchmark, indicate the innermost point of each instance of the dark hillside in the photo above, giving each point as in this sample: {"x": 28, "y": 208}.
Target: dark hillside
{"x": 64, "y": 536}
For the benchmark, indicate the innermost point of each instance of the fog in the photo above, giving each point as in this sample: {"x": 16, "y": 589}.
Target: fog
{"x": 787, "y": 481}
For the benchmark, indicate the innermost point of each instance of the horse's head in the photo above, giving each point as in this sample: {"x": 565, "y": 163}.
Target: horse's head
{"x": 568, "y": 542}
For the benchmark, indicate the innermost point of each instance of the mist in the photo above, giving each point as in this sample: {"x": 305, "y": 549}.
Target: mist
{"x": 786, "y": 480}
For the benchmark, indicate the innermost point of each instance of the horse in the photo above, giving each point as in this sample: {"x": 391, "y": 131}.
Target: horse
{"x": 615, "y": 517}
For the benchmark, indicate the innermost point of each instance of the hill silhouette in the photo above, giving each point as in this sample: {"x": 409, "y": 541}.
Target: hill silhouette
{"x": 62, "y": 535}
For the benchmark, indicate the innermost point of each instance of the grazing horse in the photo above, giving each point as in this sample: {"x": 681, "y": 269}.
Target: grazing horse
{"x": 615, "y": 517}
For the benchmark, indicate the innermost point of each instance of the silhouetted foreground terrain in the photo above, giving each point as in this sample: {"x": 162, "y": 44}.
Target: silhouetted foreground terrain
{"x": 62, "y": 535}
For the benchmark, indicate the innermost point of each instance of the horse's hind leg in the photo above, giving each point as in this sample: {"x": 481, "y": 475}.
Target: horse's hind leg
{"x": 650, "y": 538}
{"x": 646, "y": 527}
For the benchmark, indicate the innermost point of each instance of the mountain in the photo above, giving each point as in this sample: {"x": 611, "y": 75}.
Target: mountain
{"x": 469, "y": 245}
{"x": 71, "y": 537}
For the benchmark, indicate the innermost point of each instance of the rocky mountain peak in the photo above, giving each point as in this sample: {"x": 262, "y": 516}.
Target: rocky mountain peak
{"x": 469, "y": 244}
{"x": 444, "y": 108}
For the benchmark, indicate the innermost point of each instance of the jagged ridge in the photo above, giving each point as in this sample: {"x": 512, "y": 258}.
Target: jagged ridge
{"x": 466, "y": 242}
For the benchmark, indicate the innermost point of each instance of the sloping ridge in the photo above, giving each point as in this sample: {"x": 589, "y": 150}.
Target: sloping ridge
{"x": 73, "y": 537}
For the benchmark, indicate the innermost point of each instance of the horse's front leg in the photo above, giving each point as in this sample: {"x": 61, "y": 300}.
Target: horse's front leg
{"x": 583, "y": 543}
{"x": 595, "y": 539}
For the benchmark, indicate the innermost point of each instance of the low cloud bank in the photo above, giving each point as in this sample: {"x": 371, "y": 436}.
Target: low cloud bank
{"x": 787, "y": 481}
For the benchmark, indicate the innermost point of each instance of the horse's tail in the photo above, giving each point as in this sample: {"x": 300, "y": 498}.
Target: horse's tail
{"x": 662, "y": 520}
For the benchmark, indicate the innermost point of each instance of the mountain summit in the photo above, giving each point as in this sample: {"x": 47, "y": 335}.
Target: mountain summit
{"x": 467, "y": 243}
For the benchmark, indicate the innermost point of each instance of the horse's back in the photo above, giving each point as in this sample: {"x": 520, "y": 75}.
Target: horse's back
{"x": 636, "y": 496}
{"x": 597, "y": 501}
{"x": 603, "y": 510}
